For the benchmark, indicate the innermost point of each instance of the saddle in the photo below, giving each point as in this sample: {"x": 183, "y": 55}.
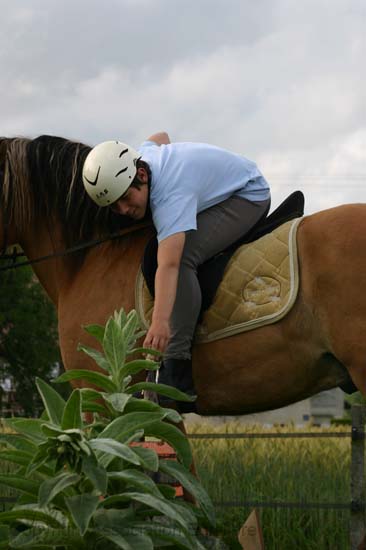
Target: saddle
{"x": 210, "y": 273}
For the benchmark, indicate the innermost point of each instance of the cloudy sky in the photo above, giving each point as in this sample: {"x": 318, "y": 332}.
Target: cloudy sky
{"x": 280, "y": 81}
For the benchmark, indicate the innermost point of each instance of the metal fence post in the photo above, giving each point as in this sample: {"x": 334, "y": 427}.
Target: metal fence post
{"x": 357, "y": 522}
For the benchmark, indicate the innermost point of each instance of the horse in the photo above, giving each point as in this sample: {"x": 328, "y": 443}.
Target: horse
{"x": 320, "y": 344}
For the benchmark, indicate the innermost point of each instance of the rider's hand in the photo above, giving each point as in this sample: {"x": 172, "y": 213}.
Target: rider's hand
{"x": 158, "y": 335}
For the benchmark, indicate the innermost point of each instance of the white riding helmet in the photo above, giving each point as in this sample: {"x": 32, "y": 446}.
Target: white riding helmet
{"x": 108, "y": 171}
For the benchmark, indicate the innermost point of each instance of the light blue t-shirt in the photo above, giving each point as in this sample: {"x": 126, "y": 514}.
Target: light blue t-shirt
{"x": 187, "y": 178}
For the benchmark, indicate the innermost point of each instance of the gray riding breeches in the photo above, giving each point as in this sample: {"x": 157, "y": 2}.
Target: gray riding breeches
{"x": 217, "y": 228}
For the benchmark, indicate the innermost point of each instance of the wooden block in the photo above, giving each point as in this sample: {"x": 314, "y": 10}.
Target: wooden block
{"x": 250, "y": 535}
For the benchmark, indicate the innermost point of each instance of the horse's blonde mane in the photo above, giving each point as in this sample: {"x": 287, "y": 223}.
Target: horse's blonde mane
{"x": 41, "y": 181}
{"x": 15, "y": 189}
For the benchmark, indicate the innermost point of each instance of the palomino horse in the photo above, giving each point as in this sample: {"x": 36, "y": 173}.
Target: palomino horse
{"x": 315, "y": 347}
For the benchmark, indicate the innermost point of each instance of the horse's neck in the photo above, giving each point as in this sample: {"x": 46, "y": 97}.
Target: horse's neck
{"x": 57, "y": 274}
{"x": 38, "y": 243}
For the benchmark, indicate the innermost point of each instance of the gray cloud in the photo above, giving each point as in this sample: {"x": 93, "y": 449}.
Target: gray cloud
{"x": 281, "y": 82}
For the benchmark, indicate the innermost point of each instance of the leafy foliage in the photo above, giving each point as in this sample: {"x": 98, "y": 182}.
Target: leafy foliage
{"x": 28, "y": 335}
{"x": 83, "y": 485}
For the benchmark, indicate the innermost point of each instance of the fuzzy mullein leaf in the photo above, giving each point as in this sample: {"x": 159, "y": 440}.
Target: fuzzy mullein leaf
{"x": 21, "y": 484}
{"x": 129, "y": 329}
{"x": 4, "y": 536}
{"x": 128, "y": 539}
{"x": 141, "y": 405}
{"x": 53, "y": 402}
{"x": 117, "y": 400}
{"x": 114, "y": 347}
{"x": 175, "y": 437}
{"x": 19, "y": 442}
{"x": 50, "y": 488}
{"x": 96, "y": 355}
{"x": 82, "y": 508}
{"x": 72, "y": 418}
{"x": 161, "y": 535}
{"x": 162, "y": 389}
{"x": 111, "y": 447}
{"x": 21, "y": 458}
{"x": 30, "y": 427}
{"x": 124, "y": 426}
{"x": 149, "y": 459}
{"x": 138, "y": 365}
{"x": 95, "y": 473}
{"x": 168, "y": 508}
{"x": 192, "y": 485}
{"x": 30, "y": 515}
{"x": 136, "y": 479}
{"x": 95, "y": 330}
{"x": 37, "y": 538}
{"x": 120, "y": 317}
{"x": 96, "y": 378}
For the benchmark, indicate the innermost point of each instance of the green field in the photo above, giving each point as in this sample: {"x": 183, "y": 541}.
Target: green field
{"x": 292, "y": 470}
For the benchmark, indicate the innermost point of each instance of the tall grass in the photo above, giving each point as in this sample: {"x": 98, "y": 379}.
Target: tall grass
{"x": 267, "y": 470}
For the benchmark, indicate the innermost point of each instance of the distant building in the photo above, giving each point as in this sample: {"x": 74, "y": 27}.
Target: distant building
{"x": 319, "y": 410}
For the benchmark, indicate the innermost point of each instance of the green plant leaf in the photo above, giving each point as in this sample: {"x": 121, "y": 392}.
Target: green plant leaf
{"x": 95, "y": 330}
{"x": 149, "y": 459}
{"x": 16, "y": 441}
{"x": 144, "y": 405}
{"x": 117, "y": 400}
{"x": 4, "y": 537}
{"x": 114, "y": 448}
{"x": 82, "y": 508}
{"x": 18, "y": 457}
{"x": 96, "y": 378}
{"x": 124, "y": 426}
{"x": 160, "y": 533}
{"x": 114, "y": 347}
{"x": 21, "y": 484}
{"x": 161, "y": 389}
{"x": 128, "y": 540}
{"x": 91, "y": 406}
{"x": 192, "y": 485}
{"x": 53, "y": 402}
{"x": 30, "y": 515}
{"x": 50, "y": 488}
{"x": 168, "y": 508}
{"x": 175, "y": 438}
{"x": 30, "y": 427}
{"x": 138, "y": 365}
{"x": 96, "y": 355}
{"x": 96, "y": 473}
{"x": 72, "y": 412}
{"x": 138, "y": 480}
{"x": 36, "y": 538}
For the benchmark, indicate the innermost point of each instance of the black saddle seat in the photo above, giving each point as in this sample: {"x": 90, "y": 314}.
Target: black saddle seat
{"x": 211, "y": 272}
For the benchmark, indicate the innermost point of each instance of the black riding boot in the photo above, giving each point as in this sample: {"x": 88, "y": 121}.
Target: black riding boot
{"x": 177, "y": 373}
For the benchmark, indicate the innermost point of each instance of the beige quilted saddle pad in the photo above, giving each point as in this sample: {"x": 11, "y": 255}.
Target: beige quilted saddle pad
{"x": 259, "y": 287}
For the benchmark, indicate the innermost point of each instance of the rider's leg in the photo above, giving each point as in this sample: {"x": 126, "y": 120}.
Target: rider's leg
{"x": 217, "y": 228}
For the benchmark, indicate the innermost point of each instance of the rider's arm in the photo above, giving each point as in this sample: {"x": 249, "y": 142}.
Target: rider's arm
{"x": 169, "y": 256}
{"x": 161, "y": 138}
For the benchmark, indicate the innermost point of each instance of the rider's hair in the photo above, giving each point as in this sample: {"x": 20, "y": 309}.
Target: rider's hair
{"x": 136, "y": 182}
